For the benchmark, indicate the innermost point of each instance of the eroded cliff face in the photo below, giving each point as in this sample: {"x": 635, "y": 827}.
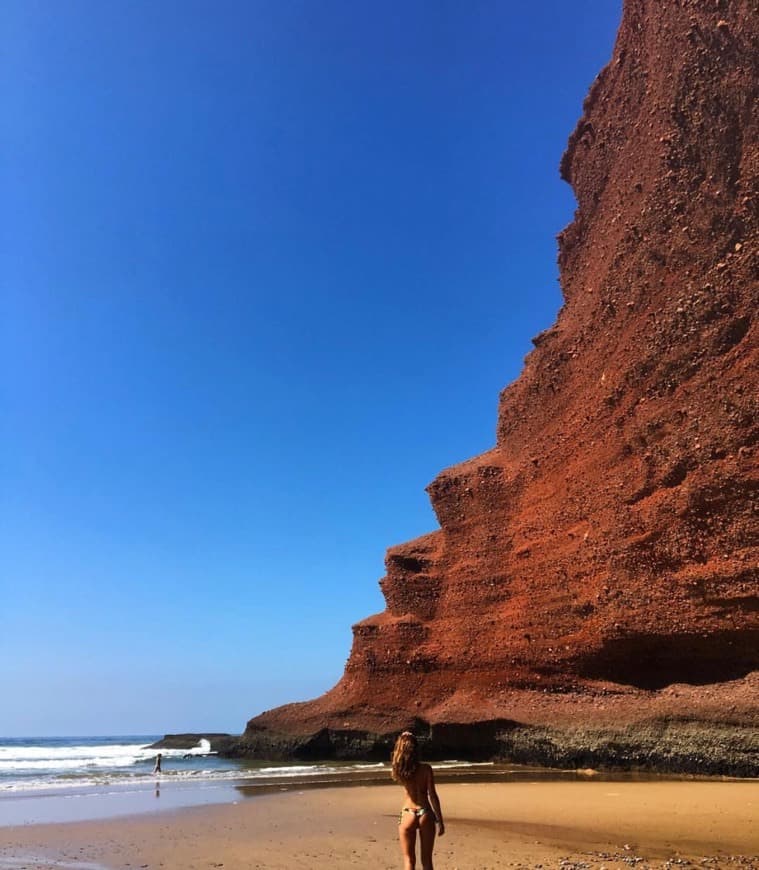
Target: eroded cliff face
{"x": 599, "y": 564}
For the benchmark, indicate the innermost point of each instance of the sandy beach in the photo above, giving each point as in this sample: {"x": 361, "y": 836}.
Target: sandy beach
{"x": 490, "y": 825}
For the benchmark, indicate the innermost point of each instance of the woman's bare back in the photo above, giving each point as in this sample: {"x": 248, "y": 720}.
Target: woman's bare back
{"x": 418, "y": 788}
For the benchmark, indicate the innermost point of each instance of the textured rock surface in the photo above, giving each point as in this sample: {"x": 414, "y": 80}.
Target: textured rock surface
{"x": 597, "y": 569}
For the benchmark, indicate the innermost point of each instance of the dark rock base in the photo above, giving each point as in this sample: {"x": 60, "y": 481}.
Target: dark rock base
{"x": 674, "y": 746}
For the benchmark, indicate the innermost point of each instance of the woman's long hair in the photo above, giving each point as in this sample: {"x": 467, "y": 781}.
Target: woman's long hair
{"x": 405, "y": 758}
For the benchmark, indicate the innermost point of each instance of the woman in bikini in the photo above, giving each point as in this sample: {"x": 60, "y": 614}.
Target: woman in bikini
{"x": 421, "y": 805}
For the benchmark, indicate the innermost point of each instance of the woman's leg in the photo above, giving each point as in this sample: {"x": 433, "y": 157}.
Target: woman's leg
{"x": 427, "y": 839}
{"x": 407, "y": 835}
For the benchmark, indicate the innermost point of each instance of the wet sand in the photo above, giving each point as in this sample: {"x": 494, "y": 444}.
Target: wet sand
{"x": 490, "y": 825}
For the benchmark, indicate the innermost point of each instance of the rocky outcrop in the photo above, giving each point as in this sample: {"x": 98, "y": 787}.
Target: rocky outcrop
{"x": 191, "y": 741}
{"x": 596, "y": 571}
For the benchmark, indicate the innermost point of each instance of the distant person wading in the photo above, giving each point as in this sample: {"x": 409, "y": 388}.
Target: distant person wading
{"x": 421, "y": 805}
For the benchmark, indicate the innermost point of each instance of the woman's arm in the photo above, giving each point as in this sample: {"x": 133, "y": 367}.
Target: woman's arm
{"x": 435, "y": 801}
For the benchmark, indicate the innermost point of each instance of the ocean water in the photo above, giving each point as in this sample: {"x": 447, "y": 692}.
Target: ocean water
{"x": 30, "y": 764}
{"x": 68, "y": 778}
{"x": 46, "y": 765}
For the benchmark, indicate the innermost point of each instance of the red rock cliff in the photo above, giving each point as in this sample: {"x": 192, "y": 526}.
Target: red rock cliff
{"x": 600, "y": 562}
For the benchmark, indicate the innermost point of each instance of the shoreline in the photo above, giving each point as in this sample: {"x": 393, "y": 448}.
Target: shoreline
{"x": 160, "y": 794}
{"x": 490, "y": 825}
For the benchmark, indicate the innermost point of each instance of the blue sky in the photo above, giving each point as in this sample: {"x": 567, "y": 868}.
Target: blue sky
{"x": 267, "y": 266}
